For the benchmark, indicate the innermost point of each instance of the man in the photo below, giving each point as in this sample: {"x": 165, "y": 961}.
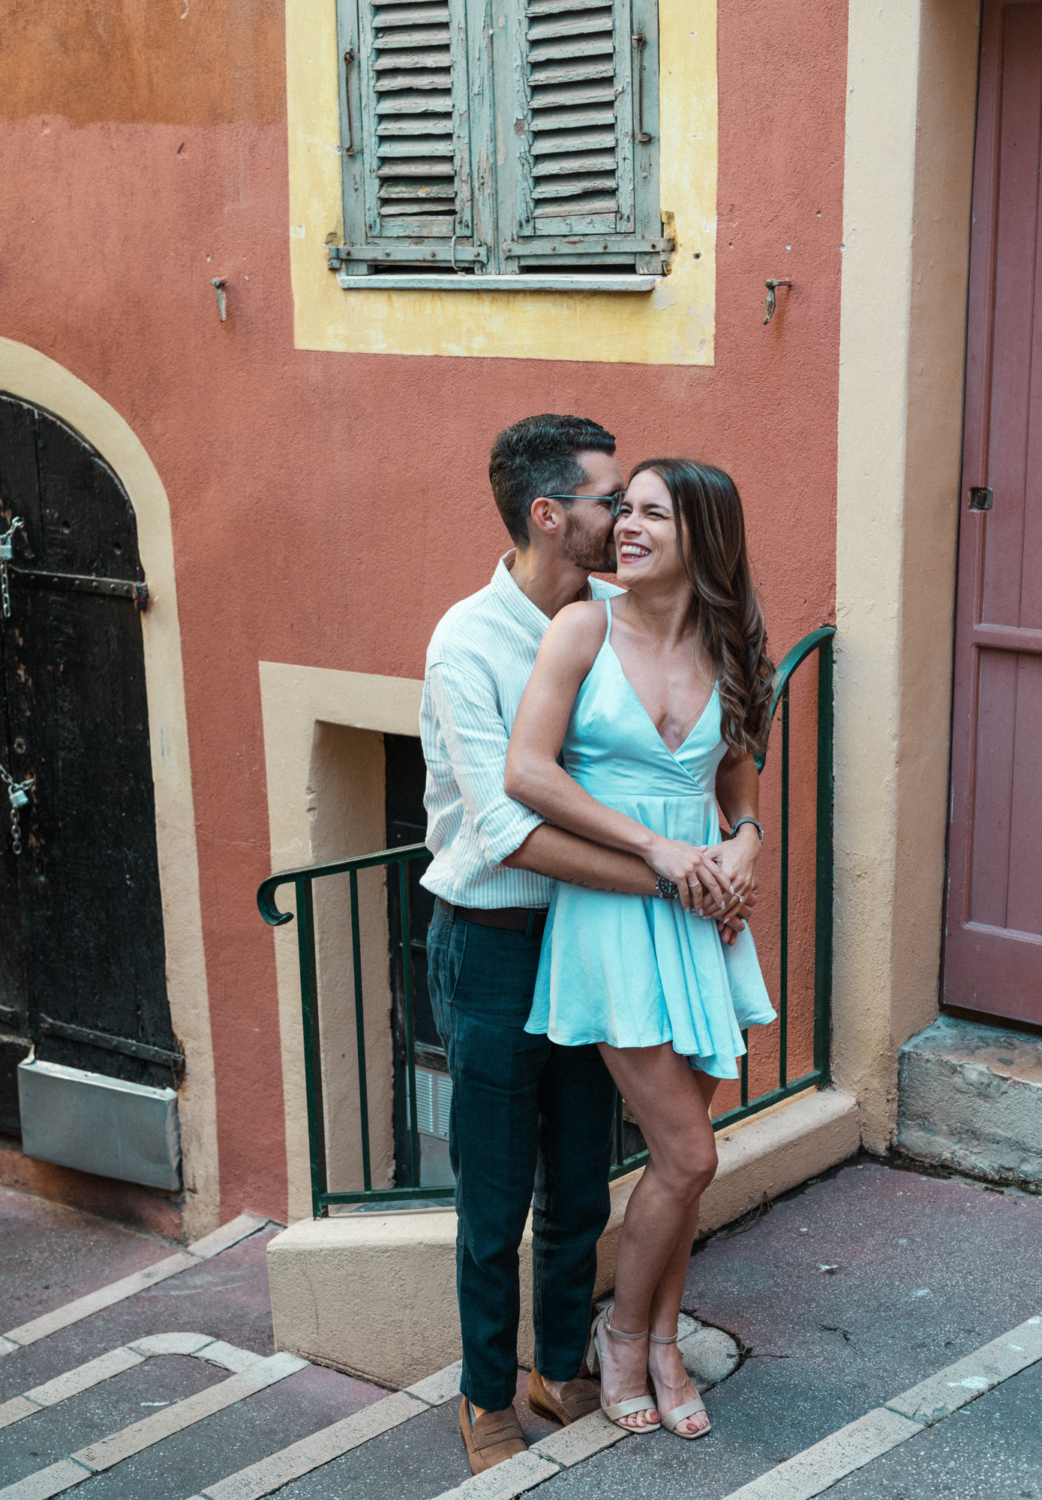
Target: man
{"x": 526, "y": 1114}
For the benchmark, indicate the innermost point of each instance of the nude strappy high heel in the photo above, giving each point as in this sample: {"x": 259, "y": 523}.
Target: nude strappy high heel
{"x": 633, "y": 1404}
{"x": 670, "y": 1420}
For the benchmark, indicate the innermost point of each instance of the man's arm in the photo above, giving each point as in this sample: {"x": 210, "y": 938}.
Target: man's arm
{"x": 564, "y": 856}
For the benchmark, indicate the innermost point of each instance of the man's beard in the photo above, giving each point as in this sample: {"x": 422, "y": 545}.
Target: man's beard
{"x": 587, "y": 549}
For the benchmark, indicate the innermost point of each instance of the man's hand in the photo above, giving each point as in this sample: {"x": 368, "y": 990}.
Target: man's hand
{"x": 735, "y": 921}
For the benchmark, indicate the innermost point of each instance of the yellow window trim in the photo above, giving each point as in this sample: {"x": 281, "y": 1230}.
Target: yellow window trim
{"x": 671, "y": 325}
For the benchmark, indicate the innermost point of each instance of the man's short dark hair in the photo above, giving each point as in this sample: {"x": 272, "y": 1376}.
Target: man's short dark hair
{"x": 538, "y": 456}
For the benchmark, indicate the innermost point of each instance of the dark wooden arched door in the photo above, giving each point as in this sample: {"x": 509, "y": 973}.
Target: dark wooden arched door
{"x": 82, "y": 966}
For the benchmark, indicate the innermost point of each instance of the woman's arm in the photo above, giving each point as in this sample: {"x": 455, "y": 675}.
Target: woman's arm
{"x": 738, "y": 793}
{"x": 534, "y": 777}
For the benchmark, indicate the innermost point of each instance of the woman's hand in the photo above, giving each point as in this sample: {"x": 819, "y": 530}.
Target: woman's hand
{"x": 730, "y": 926}
{"x": 703, "y": 886}
{"x": 736, "y": 860}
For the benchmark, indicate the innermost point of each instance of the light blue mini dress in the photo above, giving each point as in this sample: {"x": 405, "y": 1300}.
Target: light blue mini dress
{"x": 637, "y": 971}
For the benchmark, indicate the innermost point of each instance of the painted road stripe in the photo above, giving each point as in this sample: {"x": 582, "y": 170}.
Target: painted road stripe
{"x": 439, "y": 1387}
{"x": 557, "y": 1452}
{"x": 117, "y": 1446}
{"x": 83, "y": 1377}
{"x": 815, "y": 1469}
{"x": 15, "y": 1409}
{"x": 936, "y": 1398}
{"x": 117, "y": 1291}
{"x": 508, "y": 1479}
{"x": 312, "y": 1452}
{"x": 322, "y": 1447}
{"x": 47, "y": 1482}
{"x": 162, "y": 1424}
{"x": 544, "y": 1460}
{"x": 823, "y": 1465}
{"x": 580, "y": 1441}
{"x": 173, "y": 1343}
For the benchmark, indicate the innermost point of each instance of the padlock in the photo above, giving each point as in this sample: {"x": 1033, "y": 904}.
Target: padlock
{"x": 6, "y": 548}
{"x": 18, "y": 796}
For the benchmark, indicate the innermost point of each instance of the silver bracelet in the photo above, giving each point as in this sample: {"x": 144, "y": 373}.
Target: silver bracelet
{"x": 758, "y": 826}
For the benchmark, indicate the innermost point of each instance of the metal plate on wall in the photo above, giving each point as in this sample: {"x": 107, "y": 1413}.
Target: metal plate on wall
{"x": 108, "y": 1126}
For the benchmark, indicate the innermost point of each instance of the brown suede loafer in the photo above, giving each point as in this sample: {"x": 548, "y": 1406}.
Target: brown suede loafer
{"x": 493, "y": 1438}
{"x": 578, "y": 1398}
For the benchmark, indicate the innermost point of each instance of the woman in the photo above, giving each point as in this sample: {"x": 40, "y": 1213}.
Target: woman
{"x": 657, "y": 702}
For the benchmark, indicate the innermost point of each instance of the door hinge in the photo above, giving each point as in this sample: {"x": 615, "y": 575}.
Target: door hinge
{"x": 120, "y": 588}
{"x": 109, "y": 1043}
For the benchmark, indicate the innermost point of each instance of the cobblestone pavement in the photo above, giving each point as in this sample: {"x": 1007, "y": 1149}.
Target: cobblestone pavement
{"x": 841, "y": 1297}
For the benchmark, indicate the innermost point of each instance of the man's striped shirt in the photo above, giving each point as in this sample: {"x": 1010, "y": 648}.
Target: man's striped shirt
{"x": 480, "y": 658}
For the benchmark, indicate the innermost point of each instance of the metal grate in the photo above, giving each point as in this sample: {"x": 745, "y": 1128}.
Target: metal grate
{"x": 570, "y": 66}
{"x": 412, "y": 71}
{"x": 433, "y": 1102}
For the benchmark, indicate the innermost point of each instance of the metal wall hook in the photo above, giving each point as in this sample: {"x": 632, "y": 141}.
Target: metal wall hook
{"x": 218, "y": 283}
{"x": 771, "y": 301}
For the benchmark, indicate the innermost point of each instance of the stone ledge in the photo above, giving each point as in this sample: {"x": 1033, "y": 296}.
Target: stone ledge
{"x": 375, "y": 1294}
{"x": 970, "y": 1098}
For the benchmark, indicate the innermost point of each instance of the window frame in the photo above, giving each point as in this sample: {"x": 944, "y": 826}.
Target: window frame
{"x": 495, "y": 254}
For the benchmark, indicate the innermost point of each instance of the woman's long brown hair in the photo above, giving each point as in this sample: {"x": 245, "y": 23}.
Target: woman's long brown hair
{"x": 725, "y": 607}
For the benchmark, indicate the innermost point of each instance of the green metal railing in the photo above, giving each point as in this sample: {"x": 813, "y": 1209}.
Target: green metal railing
{"x": 818, "y": 641}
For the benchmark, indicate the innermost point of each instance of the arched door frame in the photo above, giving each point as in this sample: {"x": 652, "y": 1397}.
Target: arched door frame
{"x": 33, "y": 377}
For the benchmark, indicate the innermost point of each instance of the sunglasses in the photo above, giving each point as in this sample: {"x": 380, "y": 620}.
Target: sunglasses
{"x": 614, "y": 500}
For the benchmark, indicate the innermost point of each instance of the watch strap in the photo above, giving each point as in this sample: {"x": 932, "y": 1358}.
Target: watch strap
{"x": 758, "y": 826}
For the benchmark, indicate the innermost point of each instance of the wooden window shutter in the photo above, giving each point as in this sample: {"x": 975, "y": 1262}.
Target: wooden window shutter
{"x": 581, "y": 108}
{"x": 405, "y": 132}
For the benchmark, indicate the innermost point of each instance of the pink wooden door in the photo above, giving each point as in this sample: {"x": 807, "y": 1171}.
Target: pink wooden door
{"x": 993, "y": 927}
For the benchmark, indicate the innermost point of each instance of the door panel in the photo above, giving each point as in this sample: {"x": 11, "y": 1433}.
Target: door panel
{"x": 993, "y": 928}
{"x": 84, "y": 893}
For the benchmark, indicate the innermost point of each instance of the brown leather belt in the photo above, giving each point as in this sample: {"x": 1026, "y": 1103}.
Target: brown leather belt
{"x": 529, "y": 919}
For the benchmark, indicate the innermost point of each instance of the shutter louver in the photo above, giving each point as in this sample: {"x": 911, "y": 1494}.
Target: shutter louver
{"x": 570, "y": 64}
{"x": 414, "y": 136}
{"x": 584, "y": 177}
{"x": 408, "y": 198}
{"x": 499, "y": 139}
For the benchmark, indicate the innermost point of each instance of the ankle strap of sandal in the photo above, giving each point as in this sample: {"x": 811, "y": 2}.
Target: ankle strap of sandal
{"x": 617, "y": 1333}
{"x": 654, "y": 1338}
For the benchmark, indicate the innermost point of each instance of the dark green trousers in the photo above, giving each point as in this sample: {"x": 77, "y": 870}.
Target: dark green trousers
{"x": 531, "y": 1125}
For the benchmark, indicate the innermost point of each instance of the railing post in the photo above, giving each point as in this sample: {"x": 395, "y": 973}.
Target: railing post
{"x": 405, "y": 907}
{"x": 312, "y": 1047}
{"x": 783, "y": 934}
{"x": 363, "y": 1090}
{"x": 823, "y": 867}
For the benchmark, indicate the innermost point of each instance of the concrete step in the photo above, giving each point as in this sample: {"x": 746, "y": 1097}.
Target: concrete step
{"x": 970, "y": 1099}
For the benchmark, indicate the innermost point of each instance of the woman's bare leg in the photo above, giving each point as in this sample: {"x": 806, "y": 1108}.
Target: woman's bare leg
{"x": 671, "y": 1381}
{"x": 671, "y": 1107}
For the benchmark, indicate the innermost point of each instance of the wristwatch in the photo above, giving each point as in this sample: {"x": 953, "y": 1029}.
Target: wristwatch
{"x": 756, "y": 825}
{"x": 667, "y": 889}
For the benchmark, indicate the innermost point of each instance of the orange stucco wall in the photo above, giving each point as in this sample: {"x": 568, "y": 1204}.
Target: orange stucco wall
{"x": 328, "y": 507}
